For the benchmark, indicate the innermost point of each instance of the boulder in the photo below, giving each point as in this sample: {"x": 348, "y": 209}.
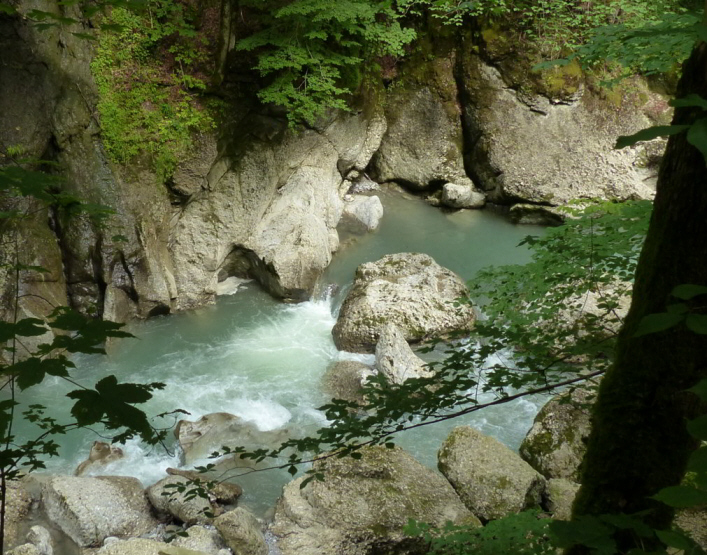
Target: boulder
{"x": 173, "y": 496}
{"x": 693, "y": 522}
{"x": 211, "y": 432}
{"x": 345, "y": 378}
{"x": 361, "y": 214}
{"x": 88, "y": 510}
{"x": 560, "y": 497}
{"x": 139, "y": 546}
{"x": 492, "y": 480}
{"x": 40, "y": 537}
{"x": 242, "y": 532}
{"x": 101, "y": 454}
{"x": 462, "y": 195}
{"x": 541, "y": 150}
{"x": 25, "y": 549}
{"x": 201, "y": 538}
{"x": 362, "y": 505}
{"x": 408, "y": 289}
{"x": 18, "y": 505}
{"x": 424, "y": 136}
{"x": 395, "y": 359}
{"x": 222, "y": 492}
{"x": 556, "y": 443}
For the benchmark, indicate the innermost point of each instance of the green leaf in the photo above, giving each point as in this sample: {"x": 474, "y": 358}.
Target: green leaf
{"x": 700, "y": 390}
{"x": 689, "y": 101}
{"x": 649, "y": 134}
{"x": 675, "y": 539}
{"x": 687, "y": 291}
{"x": 698, "y": 427}
{"x": 698, "y": 460}
{"x": 7, "y": 9}
{"x": 654, "y": 323}
{"x": 697, "y": 136}
{"x": 697, "y": 323}
{"x": 681, "y": 496}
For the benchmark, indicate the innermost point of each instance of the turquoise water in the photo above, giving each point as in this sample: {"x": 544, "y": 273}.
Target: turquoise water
{"x": 263, "y": 360}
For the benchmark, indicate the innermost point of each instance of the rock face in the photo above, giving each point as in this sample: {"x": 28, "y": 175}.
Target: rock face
{"x": 395, "y": 359}
{"x": 408, "y": 289}
{"x": 242, "y": 532}
{"x": 490, "y": 478}
{"x": 560, "y": 496}
{"x": 556, "y": 443}
{"x": 362, "y": 505}
{"x": 88, "y": 510}
{"x": 547, "y": 151}
{"x": 201, "y": 538}
{"x": 101, "y": 454}
{"x": 423, "y": 143}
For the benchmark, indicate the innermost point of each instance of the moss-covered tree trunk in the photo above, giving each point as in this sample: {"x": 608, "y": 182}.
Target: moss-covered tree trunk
{"x": 639, "y": 442}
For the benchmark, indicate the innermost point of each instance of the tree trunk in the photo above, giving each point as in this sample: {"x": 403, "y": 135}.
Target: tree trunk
{"x": 639, "y": 442}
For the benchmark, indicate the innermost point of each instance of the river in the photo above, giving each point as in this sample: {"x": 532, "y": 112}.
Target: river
{"x": 262, "y": 360}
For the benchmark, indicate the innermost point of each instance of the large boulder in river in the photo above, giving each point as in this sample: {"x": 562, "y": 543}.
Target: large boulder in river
{"x": 242, "y": 532}
{"x": 179, "y": 497}
{"x": 492, "y": 480}
{"x": 362, "y": 505}
{"x": 345, "y": 378}
{"x": 409, "y": 290}
{"x": 556, "y": 443}
{"x": 462, "y": 195}
{"x": 101, "y": 454}
{"x": 18, "y": 505}
{"x": 361, "y": 214}
{"x": 211, "y": 432}
{"x": 88, "y": 510}
{"x": 395, "y": 359}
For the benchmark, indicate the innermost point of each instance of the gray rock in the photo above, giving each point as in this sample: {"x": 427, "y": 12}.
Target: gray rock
{"x": 560, "y": 496}
{"x": 211, "y": 432}
{"x": 18, "y": 505}
{"x": 408, "y": 289}
{"x": 395, "y": 359}
{"x": 548, "y": 152}
{"x": 693, "y": 522}
{"x": 101, "y": 454}
{"x": 183, "y": 505}
{"x": 41, "y": 539}
{"x": 88, "y": 510}
{"x": 462, "y": 195}
{"x": 25, "y": 549}
{"x": 344, "y": 379}
{"x": 138, "y": 546}
{"x": 201, "y": 538}
{"x": 556, "y": 443}
{"x": 223, "y": 492}
{"x": 492, "y": 480}
{"x": 535, "y": 214}
{"x": 242, "y": 532}
{"x": 422, "y": 143}
{"x": 362, "y": 505}
{"x": 361, "y": 214}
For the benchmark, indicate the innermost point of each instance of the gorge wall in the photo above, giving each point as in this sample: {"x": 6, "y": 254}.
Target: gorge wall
{"x": 256, "y": 198}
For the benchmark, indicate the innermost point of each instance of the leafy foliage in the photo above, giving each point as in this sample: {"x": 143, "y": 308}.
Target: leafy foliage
{"x": 151, "y": 68}
{"x": 311, "y": 50}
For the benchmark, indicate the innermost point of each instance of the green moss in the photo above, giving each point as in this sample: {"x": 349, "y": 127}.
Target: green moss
{"x": 563, "y": 81}
{"x": 150, "y": 79}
